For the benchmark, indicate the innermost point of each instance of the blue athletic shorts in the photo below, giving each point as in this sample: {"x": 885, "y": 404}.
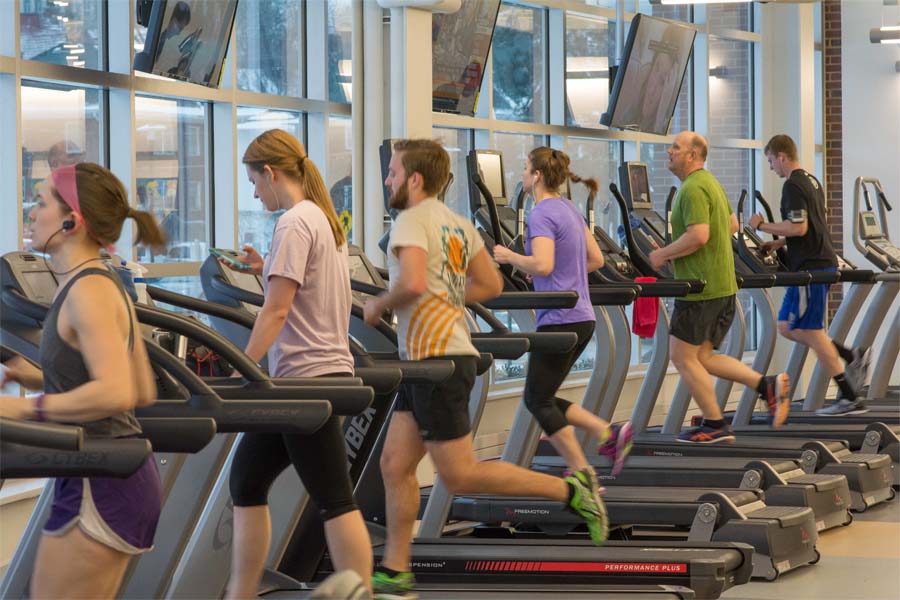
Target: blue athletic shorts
{"x": 804, "y": 307}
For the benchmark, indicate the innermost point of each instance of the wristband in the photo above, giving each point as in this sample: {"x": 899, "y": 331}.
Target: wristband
{"x": 38, "y": 408}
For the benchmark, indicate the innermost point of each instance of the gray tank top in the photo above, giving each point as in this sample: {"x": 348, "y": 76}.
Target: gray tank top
{"x": 64, "y": 367}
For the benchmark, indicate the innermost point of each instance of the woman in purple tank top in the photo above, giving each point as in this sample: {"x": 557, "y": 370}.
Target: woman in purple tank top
{"x": 94, "y": 372}
{"x": 560, "y": 252}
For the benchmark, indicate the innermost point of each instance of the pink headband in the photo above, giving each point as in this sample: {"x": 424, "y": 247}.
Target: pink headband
{"x": 67, "y": 188}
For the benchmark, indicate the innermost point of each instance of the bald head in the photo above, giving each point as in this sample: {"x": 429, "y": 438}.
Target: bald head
{"x": 695, "y": 142}
{"x": 687, "y": 153}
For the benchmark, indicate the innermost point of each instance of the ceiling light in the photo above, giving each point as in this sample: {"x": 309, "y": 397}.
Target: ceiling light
{"x": 699, "y": 1}
{"x": 889, "y": 34}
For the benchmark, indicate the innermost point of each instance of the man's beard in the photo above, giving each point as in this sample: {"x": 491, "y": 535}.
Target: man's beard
{"x": 400, "y": 199}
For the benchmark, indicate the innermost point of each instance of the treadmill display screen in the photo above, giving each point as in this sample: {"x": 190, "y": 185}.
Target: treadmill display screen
{"x": 42, "y": 285}
{"x": 491, "y": 168}
{"x": 246, "y": 281}
{"x": 639, "y": 182}
{"x": 359, "y": 272}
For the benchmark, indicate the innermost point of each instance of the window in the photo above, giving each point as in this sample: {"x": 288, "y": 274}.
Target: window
{"x": 598, "y": 159}
{"x": 589, "y": 41}
{"x": 680, "y": 12}
{"x": 340, "y": 52}
{"x": 730, "y": 16}
{"x": 172, "y": 174}
{"x": 681, "y": 116}
{"x": 339, "y": 172}
{"x": 456, "y": 143}
{"x": 269, "y": 59}
{"x": 63, "y": 33}
{"x": 730, "y": 92}
{"x": 515, "y": 148}
{"x": 661, "y": 179}
{"x": 734, "y": 169}
{"x": 255, "y": 223}
{"x": 61, "y": 125}
{"x": 518, "y": 65}
{"x": 186, "y": 286}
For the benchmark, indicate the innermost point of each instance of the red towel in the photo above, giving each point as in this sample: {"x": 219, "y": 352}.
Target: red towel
{"x": 645, "y": 312}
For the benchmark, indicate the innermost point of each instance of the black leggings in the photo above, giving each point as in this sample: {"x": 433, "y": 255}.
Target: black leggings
{"x": 320, "y": 460}
{"x": 546, "y": 372}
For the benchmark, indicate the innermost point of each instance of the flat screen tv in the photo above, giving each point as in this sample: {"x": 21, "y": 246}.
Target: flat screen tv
{"x": 460, "y": 44}
{"x": 187, "y": 40}
{"x": 652, "y": 70}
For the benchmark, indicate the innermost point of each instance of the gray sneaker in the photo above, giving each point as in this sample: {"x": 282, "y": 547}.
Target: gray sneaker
{"x": 858, "y": 369}
{"x": 844, "y": 407}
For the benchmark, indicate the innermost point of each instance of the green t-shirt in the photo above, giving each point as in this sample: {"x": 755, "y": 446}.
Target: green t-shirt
{"x": 702, "y": 200}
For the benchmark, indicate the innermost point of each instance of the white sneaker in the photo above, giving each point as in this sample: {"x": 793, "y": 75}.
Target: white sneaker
{"x": 343, "y": 585}
{"x": 844, "y": 407}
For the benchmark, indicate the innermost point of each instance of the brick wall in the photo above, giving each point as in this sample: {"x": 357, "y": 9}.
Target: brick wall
{"x": 832, "y": 131}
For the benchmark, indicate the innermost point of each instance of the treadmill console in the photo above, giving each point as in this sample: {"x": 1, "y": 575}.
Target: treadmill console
{"x": 753, "y": 243}
{"x": 868, "y": 226}
{"x": 614, "y": 257}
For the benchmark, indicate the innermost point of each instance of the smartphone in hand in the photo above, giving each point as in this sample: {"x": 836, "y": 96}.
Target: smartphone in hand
{"x": 231, "y": 260}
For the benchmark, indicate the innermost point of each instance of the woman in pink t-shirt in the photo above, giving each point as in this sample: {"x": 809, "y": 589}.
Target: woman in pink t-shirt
{"x": 303, "y": 326}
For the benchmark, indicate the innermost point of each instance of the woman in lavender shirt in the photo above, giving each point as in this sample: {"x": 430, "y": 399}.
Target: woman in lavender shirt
{"x": 560, "y": 252}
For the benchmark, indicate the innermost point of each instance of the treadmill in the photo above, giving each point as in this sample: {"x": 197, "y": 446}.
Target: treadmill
{"x": 871, "y": 437}
{"x": 774, "y": 529}
{"x": 861, "y": 284}
{"x": 783, "y": 481}
{"x": 868, "y": 475}
{"x": 437, "y": 577}
{"x": 186, "y": 482}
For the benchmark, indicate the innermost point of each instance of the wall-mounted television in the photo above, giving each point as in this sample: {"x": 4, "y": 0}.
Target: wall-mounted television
{"x": 460, "y": 44}
{"x": 652, "y": 70}
{"x": 187, "y": 40}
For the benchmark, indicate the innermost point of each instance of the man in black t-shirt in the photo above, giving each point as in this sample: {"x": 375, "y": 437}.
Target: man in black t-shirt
{"x": 808, "y": 248}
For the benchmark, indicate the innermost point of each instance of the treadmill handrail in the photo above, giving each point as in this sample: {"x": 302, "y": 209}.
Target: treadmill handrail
{"x": 532, "y": 300}
{"x": 857, "y": 275}
{"x": 98, "y": 457}
{"x": 553, "y": 342}
{"x": 46, "y": 435}
{"x": 218, "y": 283}
{"x": 756, "y": 280}
{"x": 795, "y": 279}
{"x": 602, "y": 295}
{"x": 17, "y": 301}
{"x": 383, "y": 327}
{"x": 637, "y": 256}
{"x": 183, "y": 435}
{"x": 208, "y": 337}
{"x": 213, "y": 309}
{"x": 502, "y": 346}
{"x": 824, "y": 276}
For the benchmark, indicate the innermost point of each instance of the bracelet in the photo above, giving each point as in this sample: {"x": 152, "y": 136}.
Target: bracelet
{"x": 38, "y": 408}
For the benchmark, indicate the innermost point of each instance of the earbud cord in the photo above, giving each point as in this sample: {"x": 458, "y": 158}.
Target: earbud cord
{"x": 60, "y": 273}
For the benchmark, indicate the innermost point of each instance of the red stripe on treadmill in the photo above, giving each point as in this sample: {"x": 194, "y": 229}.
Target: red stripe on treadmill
{"x": 613, "y": 567}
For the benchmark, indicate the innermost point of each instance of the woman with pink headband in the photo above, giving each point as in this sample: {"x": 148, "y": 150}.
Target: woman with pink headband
{"x": 94, "y": 372}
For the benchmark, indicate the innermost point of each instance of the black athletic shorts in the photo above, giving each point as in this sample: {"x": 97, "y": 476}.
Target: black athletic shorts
{"x": 701, "y": 321}
{"x": 441, "y": 410}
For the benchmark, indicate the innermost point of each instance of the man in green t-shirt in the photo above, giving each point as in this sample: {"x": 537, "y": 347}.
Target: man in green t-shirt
{"x": 702, "y": 226}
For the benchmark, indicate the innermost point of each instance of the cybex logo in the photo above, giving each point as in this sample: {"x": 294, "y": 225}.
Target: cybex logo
{"x": 804, "y": 537}
{"x": 65, "y": 458}
{"x": 838, "y": 501}
{"x": 356, "y": 432}
{"x": 224, "y": 528}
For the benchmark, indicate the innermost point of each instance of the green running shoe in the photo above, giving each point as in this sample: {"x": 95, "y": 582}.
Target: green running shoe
{"x": 399, "y": 587}
{"x": 587, "y": 503}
